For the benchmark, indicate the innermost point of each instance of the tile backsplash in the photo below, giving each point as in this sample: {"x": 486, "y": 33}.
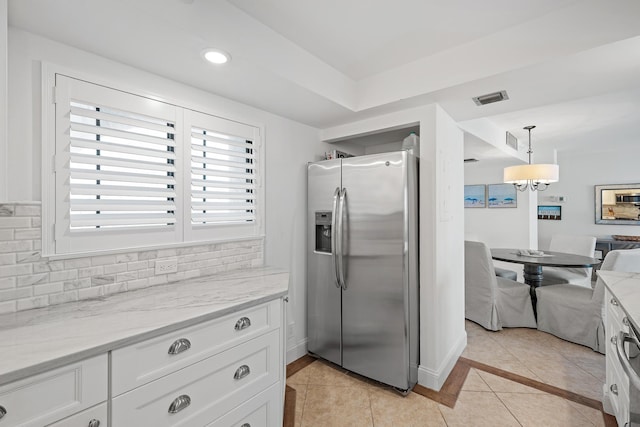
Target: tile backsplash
{"x": 28, "y": 280}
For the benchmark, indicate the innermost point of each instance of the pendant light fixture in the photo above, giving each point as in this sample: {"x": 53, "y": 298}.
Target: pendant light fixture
{"x": 532, "y": 176}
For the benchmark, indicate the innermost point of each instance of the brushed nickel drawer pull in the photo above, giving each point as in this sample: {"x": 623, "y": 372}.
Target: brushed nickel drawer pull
{"x": 614, "y": 340}
{"x": 3, "y": 412}
{"x": 614, "y": 389}
{"x": 94, "y": 423}
{"x": 180, "y": 403}
{"x": 241, "y": 372}
{"x": 625, "y": 321}
{"x": 246, "y": 425}
{"x": 179, "y": 346}
{"x": 614, "y": 302}
{"x": 243, "y": 323}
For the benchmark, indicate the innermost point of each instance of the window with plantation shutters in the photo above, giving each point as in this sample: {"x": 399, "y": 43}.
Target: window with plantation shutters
{"x": 223, "y": 174}
{"x": 133, "y": 172}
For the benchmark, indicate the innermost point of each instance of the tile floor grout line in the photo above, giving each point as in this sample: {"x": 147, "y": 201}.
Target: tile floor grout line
{"x": 539, "y": 385}
{"x": 508, "y": 409}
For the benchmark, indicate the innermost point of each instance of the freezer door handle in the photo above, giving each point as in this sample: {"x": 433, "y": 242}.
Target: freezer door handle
{"x": 340, "y": 238}
{"x": 334, "y": 237}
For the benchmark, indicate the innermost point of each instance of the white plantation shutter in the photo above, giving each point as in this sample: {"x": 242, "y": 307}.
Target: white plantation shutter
{"x": 116, "y": 156}
{"x": 122, "y": 169}
{"x": 224, "y": 176}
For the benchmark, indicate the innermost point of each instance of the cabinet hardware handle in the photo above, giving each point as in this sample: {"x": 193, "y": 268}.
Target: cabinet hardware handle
{"x": 625, "y": 321}
{"x": 179, "y": 346}
{"x": 286, "y": 299}
{"x": 243, "y": 323}
{"x": 614, "y": 340}
{"x": 614, "y": 389}
{"x": 94, "y": 423}
{"x": 180, "y": 403}
{"x": 241, "y": 372}
{"x": 246, "y": 425}
{"x": 3, "y": 412}
{"x": 614, "y": 302}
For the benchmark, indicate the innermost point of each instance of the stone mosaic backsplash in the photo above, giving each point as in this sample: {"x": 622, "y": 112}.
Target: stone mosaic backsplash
{"x": 28, "y": 280}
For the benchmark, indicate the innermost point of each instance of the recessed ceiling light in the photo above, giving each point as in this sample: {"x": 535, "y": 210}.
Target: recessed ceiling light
{"x": 216, "y": 56}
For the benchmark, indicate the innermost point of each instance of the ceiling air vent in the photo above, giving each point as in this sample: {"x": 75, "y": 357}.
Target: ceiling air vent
{"x": 512, "y": 141}
{"x": 491, "y": 97}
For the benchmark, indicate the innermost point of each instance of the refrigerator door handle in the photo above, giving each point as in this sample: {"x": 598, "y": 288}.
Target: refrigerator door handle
{"x": 334, "y": 235}
{"x": 340, "y": 238}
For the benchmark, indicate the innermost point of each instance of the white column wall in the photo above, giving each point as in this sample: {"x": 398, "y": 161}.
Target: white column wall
{"x": 442, "y": 333}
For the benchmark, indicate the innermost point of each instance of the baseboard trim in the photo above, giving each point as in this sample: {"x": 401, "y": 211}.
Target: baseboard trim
{"x": 299, "y": 364}
{"x": 435, "y": 379}
{"x": 448, "y": 394}
{"x": 298, "y": 350}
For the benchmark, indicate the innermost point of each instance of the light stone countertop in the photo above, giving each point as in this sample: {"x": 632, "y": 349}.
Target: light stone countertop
{"x": 34, "y": 341}
{"x": 625, "y": 287}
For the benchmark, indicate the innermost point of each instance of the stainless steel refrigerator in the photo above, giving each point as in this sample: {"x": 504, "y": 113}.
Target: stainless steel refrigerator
{"x": 362, "y": 265}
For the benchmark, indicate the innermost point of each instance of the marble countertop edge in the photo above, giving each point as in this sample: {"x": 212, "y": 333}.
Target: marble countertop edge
{"x": 29, "y": 357}
{"x": 625, "y": 287}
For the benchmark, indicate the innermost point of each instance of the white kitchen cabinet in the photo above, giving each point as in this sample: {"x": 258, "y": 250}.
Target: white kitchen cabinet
{"x": 201, "y": 393}
{"x": 142, "y": 362}
{"x": 263, "y": 410}
{"x": 211, "y": 353}
{"x": 49, "y": 397}
{"x": 616, "y": 391}
{"x": 92, "y": 417}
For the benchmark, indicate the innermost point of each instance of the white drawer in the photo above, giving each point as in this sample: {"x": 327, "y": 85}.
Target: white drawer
{"x": 615, "y": 376}
{"x": 140, "y": 363}
{"x": 264, "y": 410}
{"x": 45, "y": 398}
{"x": 97, "y": 415}
{"x": 621, "y": 405}
{"x": 614, "y": 312}
{"x": 209, "y": 386}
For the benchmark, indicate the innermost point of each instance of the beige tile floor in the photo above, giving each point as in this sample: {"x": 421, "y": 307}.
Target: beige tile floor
{"x": 326, "y": 396}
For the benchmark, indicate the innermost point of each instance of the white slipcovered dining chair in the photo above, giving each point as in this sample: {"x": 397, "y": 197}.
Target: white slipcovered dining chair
{"x": 500, "y": 272}
{"x": 574, "y": 313}
{"x": 490, "y": 301}
{"x": 578, "y": 245}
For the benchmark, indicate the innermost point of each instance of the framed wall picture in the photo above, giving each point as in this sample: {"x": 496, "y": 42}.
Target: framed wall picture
{"x": 475, "y": 196}
{"x": 550, "y": 212}
{"x": 502, "y": 196}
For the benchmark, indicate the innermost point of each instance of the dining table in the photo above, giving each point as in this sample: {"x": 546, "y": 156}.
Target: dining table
{"x": 533, "y": 263}
{"x": 533, "y": 273}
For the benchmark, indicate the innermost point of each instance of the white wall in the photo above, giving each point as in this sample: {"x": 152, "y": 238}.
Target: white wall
{"x": 289, "y": 145}
{"x": 580, "y": 170}
{"x": 500, "y": 227}
{"x": 3, "y": 100}
{"x": 442, "y": 329}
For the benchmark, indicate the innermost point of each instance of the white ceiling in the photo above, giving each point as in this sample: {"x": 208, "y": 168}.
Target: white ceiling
{"x": 570, "y": 67}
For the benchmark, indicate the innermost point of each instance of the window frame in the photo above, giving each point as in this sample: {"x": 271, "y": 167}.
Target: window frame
{"x": 186, "y": 234}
